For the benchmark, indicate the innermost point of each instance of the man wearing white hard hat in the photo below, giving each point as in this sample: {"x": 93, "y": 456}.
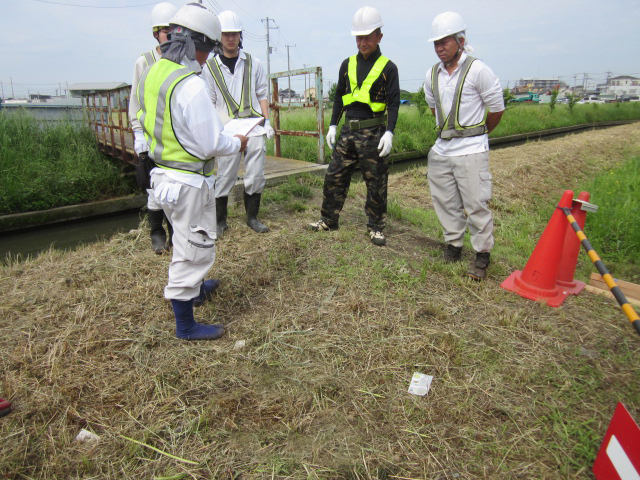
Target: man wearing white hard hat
{"x": 184, "y": 134}
{"x": 160, "y": 16}
{"x": 368, "y": 93}
{"x": 238, "y": 87}
{"x": 460, "y": 90}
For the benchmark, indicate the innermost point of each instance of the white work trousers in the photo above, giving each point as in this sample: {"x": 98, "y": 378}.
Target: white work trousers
{"x": 254, "y": 158}
{"x": 461, "y": 189}
{"x": 193, "y": 217}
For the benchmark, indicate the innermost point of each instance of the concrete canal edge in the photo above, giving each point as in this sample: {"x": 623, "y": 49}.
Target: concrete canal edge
{"x": 23, "y": 221}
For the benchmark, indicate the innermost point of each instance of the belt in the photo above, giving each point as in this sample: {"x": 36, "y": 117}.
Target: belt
{"x": 368, "y": 122}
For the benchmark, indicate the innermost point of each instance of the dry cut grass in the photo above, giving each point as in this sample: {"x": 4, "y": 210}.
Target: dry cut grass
{"x": 333, "y": 329}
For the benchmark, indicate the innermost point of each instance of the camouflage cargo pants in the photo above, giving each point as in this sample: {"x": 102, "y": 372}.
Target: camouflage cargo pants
{"x": 357, "y": 148}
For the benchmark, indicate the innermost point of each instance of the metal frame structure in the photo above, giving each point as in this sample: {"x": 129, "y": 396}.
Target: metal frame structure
{"x": 276, "y": 105}
{"x": 107, "y": 113}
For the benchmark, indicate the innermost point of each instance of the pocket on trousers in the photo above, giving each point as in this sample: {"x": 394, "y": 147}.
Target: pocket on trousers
{"x": 200, "y": 244}
{"x": 485, "y": 186}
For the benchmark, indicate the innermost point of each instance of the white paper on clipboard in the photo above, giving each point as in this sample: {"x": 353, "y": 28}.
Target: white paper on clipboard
{"x": 249, "y": 127}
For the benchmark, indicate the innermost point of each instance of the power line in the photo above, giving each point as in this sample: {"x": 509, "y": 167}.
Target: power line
{"x": 94, "y": 6}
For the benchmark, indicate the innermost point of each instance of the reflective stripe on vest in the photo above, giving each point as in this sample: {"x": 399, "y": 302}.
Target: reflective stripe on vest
{"x": 454, "y": 129}
{"x": 235, "y": 111}
{"x": 150, "y": 57}
{"x": 362, "y": 94}
{"x": 155, "y": 89}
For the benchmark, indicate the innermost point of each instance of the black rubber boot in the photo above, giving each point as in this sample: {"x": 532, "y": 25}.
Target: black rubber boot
{"x": 252, "y": 205}
{"x": 158, "y": 235}
{"x": 221, "y": 215}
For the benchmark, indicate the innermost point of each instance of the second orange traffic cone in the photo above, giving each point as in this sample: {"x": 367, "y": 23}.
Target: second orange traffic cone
{"x": 538, "y": 279}
{"x": 571, "y": 250}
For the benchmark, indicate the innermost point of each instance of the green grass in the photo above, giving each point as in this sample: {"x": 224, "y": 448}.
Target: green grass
{"x": 415, "y": 132}
{"x": 614, "y": 230}
{"x": 46, "y": 165}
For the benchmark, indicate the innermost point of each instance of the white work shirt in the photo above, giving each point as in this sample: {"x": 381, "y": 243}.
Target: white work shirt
{"x": 480, "y": 91}
{"x": 138, "y": 69}
{"x": 198, "y": 128}
{"x": 234, "y": 83}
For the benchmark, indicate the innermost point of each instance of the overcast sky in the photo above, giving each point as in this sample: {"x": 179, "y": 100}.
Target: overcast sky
{"x": 50, "y": 43}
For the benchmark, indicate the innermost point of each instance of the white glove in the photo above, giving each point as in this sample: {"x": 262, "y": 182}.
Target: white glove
{"x": 331, "y": 136}
{"x": 385, "y": 144}
{"x": 139, "y": 142}
{"x": 167, "y": 192}
{"x": 268, "y": 129}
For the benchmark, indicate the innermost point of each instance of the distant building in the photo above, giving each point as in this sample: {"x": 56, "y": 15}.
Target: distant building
{"x": 286, "y": 93}
{"x": 80, "y": 89}
{"x": 538, "y": 85}
{"x": 310, "y": 93}
{"x": 623, "y": 85}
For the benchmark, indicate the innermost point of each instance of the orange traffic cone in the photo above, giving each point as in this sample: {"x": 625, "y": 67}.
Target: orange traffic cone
{"x": 569, "y": 259}
{"x": 538, "y": 279}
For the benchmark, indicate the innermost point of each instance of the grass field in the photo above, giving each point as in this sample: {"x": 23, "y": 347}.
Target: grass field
{"x": 415, "y": 132}
{"x": 324, "y": 331}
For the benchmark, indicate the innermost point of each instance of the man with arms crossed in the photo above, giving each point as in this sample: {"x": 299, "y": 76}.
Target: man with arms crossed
{"x": 459, "y": 90}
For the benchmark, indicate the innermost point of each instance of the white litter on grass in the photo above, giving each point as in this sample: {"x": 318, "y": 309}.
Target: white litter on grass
{"x": 87, "y": 436}
{"x": 420, "y": 384}
{"x": 239, "y": 344}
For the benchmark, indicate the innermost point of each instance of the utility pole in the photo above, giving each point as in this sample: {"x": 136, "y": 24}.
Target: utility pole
{"x": 13, "y": 95}
{"x": 2, "y": 86}
{"x": 268, "y": 27}
{"x": 305, "y": 83}
{"x": 289, "y": 69}
{"x": 607, "y": 84}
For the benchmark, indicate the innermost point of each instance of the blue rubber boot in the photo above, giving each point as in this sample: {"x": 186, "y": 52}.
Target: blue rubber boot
{"x": 206, "y": 292}
{"x": 186, "y": 326}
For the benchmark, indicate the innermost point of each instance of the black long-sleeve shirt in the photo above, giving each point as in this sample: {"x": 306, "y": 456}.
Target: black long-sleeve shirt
{"x": 386, "y": 89}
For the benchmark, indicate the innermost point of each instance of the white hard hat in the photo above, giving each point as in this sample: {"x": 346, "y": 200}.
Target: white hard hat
{"x": 198, "y": 18}
{"x": 230, "y": 21}
{"x": 365, "y": 21}
{"x": 445, "y": 24}
{"x": 161, "y": 14}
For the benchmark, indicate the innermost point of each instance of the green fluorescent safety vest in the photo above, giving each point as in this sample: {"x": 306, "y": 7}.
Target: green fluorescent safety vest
{"x": 362, "y": 94}
{"x": 244, "y": 110}
{"x": 453, "y": 128}
{"x": 155, "y": 89}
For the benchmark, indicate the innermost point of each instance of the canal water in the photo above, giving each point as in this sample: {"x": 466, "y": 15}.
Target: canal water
{"x": 66, "y": 236}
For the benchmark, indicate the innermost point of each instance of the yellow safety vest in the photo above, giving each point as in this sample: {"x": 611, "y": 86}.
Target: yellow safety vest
{"x": 362, "y": 94}
{"x": 155, "y": 89}
{"x": 244, "y": 109}
{"x": 453, "y": 128}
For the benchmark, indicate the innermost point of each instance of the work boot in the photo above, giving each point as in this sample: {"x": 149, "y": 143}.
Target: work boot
{"x": 186, "y": 326}
{"x": 158, "y": 235}
{"x": 452, "y": 254}
{"x": 206, "y": 292}
{"x": 5, "y": 407}
{"x": 320, "y": 226}
{"x": 252, "y": 205}
{"x": 478, "y": 269}
{"x": 377, "y": 238}
{"x": 221, "y": 215}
